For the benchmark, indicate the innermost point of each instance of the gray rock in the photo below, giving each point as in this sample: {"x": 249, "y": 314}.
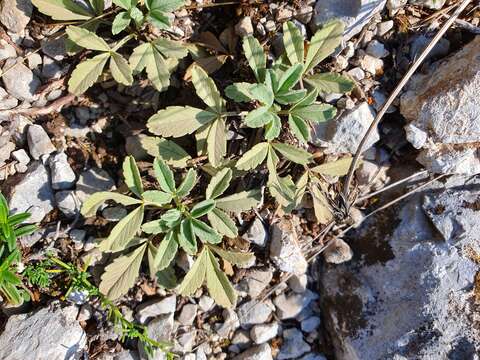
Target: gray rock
{"x": 343, "y": 135}
{"x": 68, "y": 203}
{"x": 431, "y": 4}
{"x": 92, "y": 181}
{"x": 18, "y": 129}
{"x": 230, "y": 323}
{"x": 21, "y": 156}
{"x": 384, "y": 27}
{"x": 285, "y": 250}
{"x": 33, "y": 193}
{"x": 20, "y": 82}
{"x": 133, "y": 146}
{"x": 241, "y": 339}
{"x": 417, "y": 137}
{"x": 114, "y": 213}
{"x": 50, "y": 333}
{"x": 188, "y": 314}
{"x": 313, "y": 356}
{"x": 34, "y": 61}
{"x": 78, "y": 237}
{"x": 244, "y": 27}
{"x": 371, "y": 64}
{"x": 5, "y": 151}
{"x": 376, "y": 49}
{"x": 15, "y": 14}
{"x": 394, "y": 5}
{"x": 443, "y": 104}
{"x": 55, "y": 48}
{"x": 159, "y": 329}
{"x": 256, "y": 233}
{"x": 420, "y": 42}
{"x": 126, "y": 355}
{"x": 355, "y": 14}
{"x": 310, "y": 324}
{"x": 260, "y": 352}
{"x": 6, "y": 50}
{"x": 185, "y": 342}
{"x": 155, "y": 307}
{"x": 289, "y": 306}
{"x": 298, "y": 283}
{"x": 39, "y": 142}
{"x": 256, "y": 281}
{"x": 338, "y": 252}
{"x": 6, "y": 101}
{"x": 409, "y": 296}
{"x": 206, "y": 303}
{"x": 51, "y": 69}
{"x": 293, "y": 345}
{"x": 63, "y": 177}
{"x": 253, "y": 312}
{"x": 264, "y": 332}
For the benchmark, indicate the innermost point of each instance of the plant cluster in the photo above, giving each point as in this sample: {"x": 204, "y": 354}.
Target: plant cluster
{"x": 11, "y": 228}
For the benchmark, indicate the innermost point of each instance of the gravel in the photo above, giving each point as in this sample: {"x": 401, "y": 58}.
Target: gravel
{"x": 20, "y": 82}
{"x": 39, "y": 142}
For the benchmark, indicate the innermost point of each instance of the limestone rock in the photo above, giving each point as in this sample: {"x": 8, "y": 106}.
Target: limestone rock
{"x": 20, "y": 82}
{"x": 260, "y": 352}
{"x": 15, "y": 14}
{"x": 63, "y": 176}
{"x": 39, "y": 142}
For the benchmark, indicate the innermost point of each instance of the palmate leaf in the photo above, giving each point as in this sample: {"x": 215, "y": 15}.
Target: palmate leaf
{"x": 157, "y": 69}
{"x": 233, "y": 257}
{"x": 217, "y": 142}
{"x": 207, "y": 90}
{"x": 98, "y": 6}
{"x": 219, "y": 183}
{"x": 315, "y": 113}
{"x": 253, "y": 157}
{"x": 202, "y": 208}
{"x": 242, "y": 201}
{"x": 170, "y": 48}
{"x": 166, "y": 251}
{"x": 335, "y": 168}
{"x": 120, "y": 23}
{"x": 289, "y": 78}
{"x": 159, "y": 19}
{"x": 195, "y": 276}
{"x": 186, "y": 237}
{"x": 167, "y": 150}
{"x": 328, "y": 83}
{"x": 273, "y": 128}
{"x": 322, "y": 210}
{"x": 262, "y": 93}
{"x": 94, "y": 201}
{"x": 218, "y": 285}
{"x": 293, "y": 43}
{"x": 239, "y": 92}
{"x": 125, "y": 4}
{"x": 121, "y": 274}
{"x": 222, "y": 223}
{"x": 86, "y": 39}
{"x": 255, "y": 56}
{"x": 86, "y": 73}
{"x": 121, "y": 71}
{"x": 293, "y": 153}
{"x": 132, "y": 176}
{"x": 63, "y": 9}
{"x": 164, "y": 5}
{"x": 187, "y": 184}
{"x": 156, "y": 198}
{"x": 164, "y": 176}
{"x": 259, "y": 117}
{"x": 299, "y": 127}
{"x": 324, "y": 43}
{"x": 205, "y": 232}
{"x": 124, "y": 231}
{"x": 178, "y": 121}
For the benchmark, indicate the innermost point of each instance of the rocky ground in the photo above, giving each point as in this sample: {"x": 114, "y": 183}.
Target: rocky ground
{"x": 403, "y": 285}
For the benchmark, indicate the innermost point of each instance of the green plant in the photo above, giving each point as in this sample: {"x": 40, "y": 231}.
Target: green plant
{"x": 77, "y": 279}
{"x": 178, "y": 221}
{"x": 11, "y": 229}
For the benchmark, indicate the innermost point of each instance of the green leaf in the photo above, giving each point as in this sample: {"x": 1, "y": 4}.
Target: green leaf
{"x": 3, "y": 209}
{"x": 239, "y": 92}
{"x": 125, "y": 4}
{"x": 155, "y": 227}
{"x": 62, "y": 9}
{"x": 93, "y": 202}
{"x": 178, "y": 121}
{"x": 172, "y": 217}
{"x": 164, "y": 176}
{"x": 187, "y": 184}
{"x": 309, "y": 99}
{"x": 167, "y": 150}
{"x": 324, "y": 43}
{"x": 124, "y": 231}
{"x": 207, "y": 90}
{"x": 86, "y": 39}
{"x": 202, "y": 208}
{"x": 334, "y": 168}
{"x": 255, "y": 57}
{"x": 137, "y": 15}
{"x": 328, "y": 83}
{"x": 222, "y": 223}
{"x": 166, "y": 278}
{"x": 121, "y": 274}
{"x": 293, "y": 42}
{"x": 195, "y": 276}
{"x": 121, "y": 71}
{"x": 24, "y": 231}
{"x": 253, "y": 157}
{"x": 159, "y": 19}
{"x": 166, "y": 251}
{"x": 157, "y": 69}
{"x": 120, "y": 23}
{"x": 205, "y": 232}
{"x": 14, "y": 219}
{"x": 315, "y": 112}
{"x": 156, "y": 198}
{"x": 170, "y": 48}
{"x": 138, "y": 59}
{"x": 290, "y": 78}
{"x": 218, "y": 285}
{"x": 219, "y": 183}
{"x": 262, "y": 93}
{"x": 273, "y": 128}
{"x": 259, "y": 117}
{"x": 290, "y": 96}
{"x": 242, "y": 201}
{"x": 164, "y": 5}
{"x": 151, "y": 254}
{"x": 321, "y": 207}
{"x": 293, "y": 153}
{"x": 299, "y": 128}
{"x": 132, "y": 176}
{"x": 217, "y": 142}
{"x": 86, "y": 73}
{"x": 233, "y": 257}
{"x": 186, "y": 237}
{"x": 98, "y": 6}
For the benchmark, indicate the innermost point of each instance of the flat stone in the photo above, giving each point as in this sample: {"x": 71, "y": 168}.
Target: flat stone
{"x": 51, "y": 333}
{"x": 15, "y": 14}
{"x": 92, "y": 181}
{"x": 260, "y": 352}
{"x": 289, "y": 306}
{"x": 338, "y": 252}
{"x": 254, "y": 312}
{"x": 6, "y": 151}
{"x": 206, "y": 303}
{"x": 244, "y": 27}
{"x": 33, "y": 193}
{"x": 39, "y": 142}
{"x": 63, "y": 177}
{"x": 343, "y": 135}
{"x": 55, "y": 48}
{"x": 114, "y": 213}
{"x": 285, "y": 250}
{"x": 188, "y": 314}
{"x": 159, "y": 329}
{"x": 6, "y": 50}
{"x": 68, "y": 203}
{"x": 298, "y": 283}
{"x": 21, "y": 156}
{"x": 443, "y": 103}
{"x": 264, "y": 332}
{"x": 7, "y": 102}
{"x": 256, "y": 233}
{"x": 153, "y": 308}
{"x": 20, "y": 82}
{"x": 293, "y": 345}
{"x": 431, "y": 4}
{"x": 354, "y": 13}
{"x": 256, "y": 281}
{"x": 310, "y": 324}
